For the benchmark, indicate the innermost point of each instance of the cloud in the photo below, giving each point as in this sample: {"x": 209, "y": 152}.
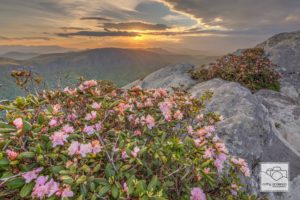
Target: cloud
{"x": 95, "y": 18}
{"x": 268, "y": 16}
{"x": 135, "y": 26}
{"x": 24, "y": 38}
{"x": 74, "y": 28}
{"x": 99, "y": 34}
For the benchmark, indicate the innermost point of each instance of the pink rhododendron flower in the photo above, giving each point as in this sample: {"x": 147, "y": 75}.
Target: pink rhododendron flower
{"x": 245, "y": 170}
{"x": 125, "y": 188}
{"x": 96, "y": 148}
{"x": 72, "y": 117}
{"x": 165, "y": 108}
{"x": 89, "y": 130}
{"x": 70, "y": 91}
{"x": 137, "y": 133}
{"x": 219, "y": 164}
{"x": 74, "y": 148}
{"x": 53, "y": 187}
{"x": 163, "y": 92}
{"x": 197, "y": 142}
{"x": 206, "y": 170}
{"x": 135, "y": 152}
{"x": 91, "y": 116}
{"x": 209, "y": 153}
{"x": 178, "y": 115}
{"x": 69, "y": 163}
{"x": 197, "y": 194}
{"x": 87, "y": 84}
{"x": 201, "y": 132}
{"x": 18, "y": 123}
{"x": 59, "y": 138}
{"x": 68, "y": 129}
{"x": 124, "y": 155}
{"x": 31, "y": 175}
{"x": 85, "y": 149}
{"x": 56, "y": 108}
{"x": 90, "y": 83}
{"x": 96, "y": 106}
{"x": 234, "y": 189}
{"x": 122, "y": 107}
{"x": 136, "y": 88}
{"x": 148, "y": 102}
{"x": 190, "y": 129}
{"x": 98, "y": 126}
{"x": 41, "y": 180}
{"x": 221, "y": 147}
{"x": 12, "y": 155}
{"x": 150, "y": 121}
{"x": 53, "y": 122}
{"x": 67, "y": 192}
{"x": 222, "y": 157}
{"x": 200, "y": 117}
{"x": 210, "y": 129}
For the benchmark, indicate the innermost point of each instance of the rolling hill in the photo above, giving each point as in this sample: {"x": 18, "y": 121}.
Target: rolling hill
{"x": 119, "y": 65}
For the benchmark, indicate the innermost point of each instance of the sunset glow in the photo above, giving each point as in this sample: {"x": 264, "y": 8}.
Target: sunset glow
{"x": 141, "y": 23}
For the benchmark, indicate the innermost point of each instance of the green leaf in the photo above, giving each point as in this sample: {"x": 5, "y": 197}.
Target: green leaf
{"x": 4, "y": 162}
{"x": 115, "y": 191}
{"x": 15, "y": 183}
{"x": 81, "y": 179}
{"x": 153, "y": 183}
{"x": 67, "y": 179}
{"x": 125, "y": 167}
{"x": 26, "y": 189}
{"x": 27, "y": 126}
{"x": 6, "y": 125}
{"x": 140, "y": 187}
{"x": 7, "y": 130}
{"x": 26, "y": 154}
{"x": 109, "y": 171}
{"x": 103, "y": 190}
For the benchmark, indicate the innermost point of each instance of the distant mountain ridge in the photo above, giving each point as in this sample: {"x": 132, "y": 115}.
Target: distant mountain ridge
{"x": 119, "y": 65}
{"x": 19, "y": 55}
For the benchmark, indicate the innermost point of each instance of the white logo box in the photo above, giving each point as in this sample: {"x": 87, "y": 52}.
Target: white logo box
{"x": 274, "y": 177}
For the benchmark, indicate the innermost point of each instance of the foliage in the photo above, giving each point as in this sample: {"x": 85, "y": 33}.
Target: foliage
{"x": 251, "y": 69}
{"x": 26, "y": 78}
{"x": 100, "y": 142}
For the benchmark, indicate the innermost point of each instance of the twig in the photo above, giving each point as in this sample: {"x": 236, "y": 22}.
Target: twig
{"x": 10, "y": 177}
{"x": 109, "y": 158}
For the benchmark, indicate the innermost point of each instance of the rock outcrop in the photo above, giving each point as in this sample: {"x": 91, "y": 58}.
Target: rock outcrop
{"x": 261, "y": 127}
{"x": 284, "y": 50}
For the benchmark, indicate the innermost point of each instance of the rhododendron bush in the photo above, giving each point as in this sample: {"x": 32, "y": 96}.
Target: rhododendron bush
{"x": 100, "y": 142}
{"x": 251, "y": 69}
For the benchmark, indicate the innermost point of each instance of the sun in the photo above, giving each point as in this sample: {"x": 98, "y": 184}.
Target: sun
{"x": 139, "y": 38}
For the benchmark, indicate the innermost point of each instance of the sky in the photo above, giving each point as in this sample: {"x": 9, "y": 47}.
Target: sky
{"x": 208, "y": 26}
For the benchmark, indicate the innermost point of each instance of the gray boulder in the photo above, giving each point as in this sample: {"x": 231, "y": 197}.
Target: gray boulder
{"x": 284, "y": 50}
{"x": 173, "y": 76}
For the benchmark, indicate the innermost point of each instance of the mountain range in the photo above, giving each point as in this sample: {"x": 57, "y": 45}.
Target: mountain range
{"x": 122, "y": 66}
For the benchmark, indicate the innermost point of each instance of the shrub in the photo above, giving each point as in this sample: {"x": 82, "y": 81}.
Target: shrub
{"x": 100, "y": 142}
{"x": 251, "y": 69}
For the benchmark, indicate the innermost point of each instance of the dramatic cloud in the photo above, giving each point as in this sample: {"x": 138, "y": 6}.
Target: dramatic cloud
{"x": 135, "y": 26}
{"x": 95, "y": 18}
{"x": 100, "y": 34}
{"x": 267, "y": 16}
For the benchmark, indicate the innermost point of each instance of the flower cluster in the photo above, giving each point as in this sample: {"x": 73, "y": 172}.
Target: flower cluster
{"x": 251, "y": 69}
{"x": 100, "y": 142}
